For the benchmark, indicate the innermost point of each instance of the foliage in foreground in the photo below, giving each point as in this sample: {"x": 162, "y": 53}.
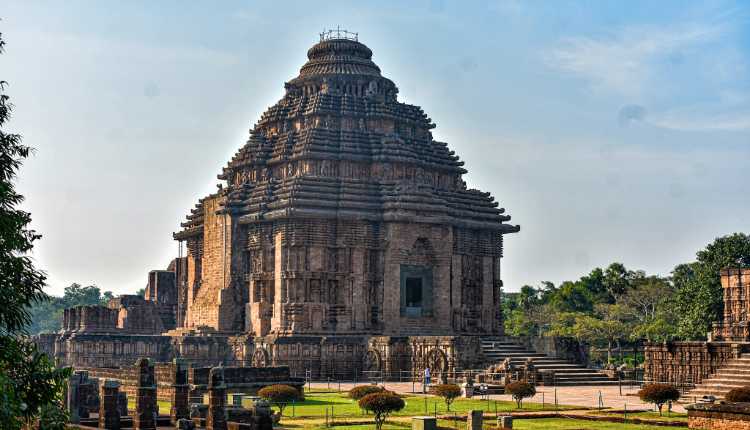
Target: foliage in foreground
{"x": 381, "y": 405}
{"x": 31, "y": 387}
{"x": 659, "y": 394}
{"x": 279, "y": 395}
{"x": 520, "y": 390}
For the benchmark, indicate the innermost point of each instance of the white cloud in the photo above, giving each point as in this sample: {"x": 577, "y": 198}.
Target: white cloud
{"x": 626, "y": 61}
{"x": 688, "y": 77}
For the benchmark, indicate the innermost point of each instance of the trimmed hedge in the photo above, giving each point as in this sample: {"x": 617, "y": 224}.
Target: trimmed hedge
{"x": 360, "y": 391}
{"x": 659, "y": 394}
{"x": 520, "y": 390}
{"x": 448, "y": 392}
{"x": 279, "y": 395}
{"x": 381, "y": 405}
{"x": 737, "y": 395}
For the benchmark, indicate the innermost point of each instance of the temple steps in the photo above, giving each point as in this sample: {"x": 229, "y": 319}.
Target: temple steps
{"x": 734, "y": 374}
{"x": 567, "y": 373}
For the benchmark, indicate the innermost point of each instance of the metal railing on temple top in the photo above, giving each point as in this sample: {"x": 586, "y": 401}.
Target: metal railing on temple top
{"x": 338, "y": 34}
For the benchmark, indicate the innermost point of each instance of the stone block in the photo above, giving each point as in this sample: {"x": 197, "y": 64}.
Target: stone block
{"x": 185, "y": 424}
{"x": 424, "y": 423}
{"x": 505, "y": 422}
{"x": 474, "y": 420}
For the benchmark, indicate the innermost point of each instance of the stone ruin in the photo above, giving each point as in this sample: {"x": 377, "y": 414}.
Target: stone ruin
{"x": 104, "y": 397}
{"x": 686, "y": 364}
{"x": 342, "y": 242}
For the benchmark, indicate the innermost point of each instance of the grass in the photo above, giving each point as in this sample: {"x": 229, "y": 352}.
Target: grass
{"x": 650, "y": 415}
{"x": 404, "y": 423}
{"x": 316, "y": 404}
{"x": 310, "y": 414}
{"x": 163, "y": 405}
{"x": 573, "y": 424}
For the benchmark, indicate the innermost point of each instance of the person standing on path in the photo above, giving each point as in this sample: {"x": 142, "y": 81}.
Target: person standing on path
{"x": 426, "y": 379}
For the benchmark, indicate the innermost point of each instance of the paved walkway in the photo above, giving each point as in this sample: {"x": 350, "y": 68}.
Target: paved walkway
{"x": 586, "y": 396}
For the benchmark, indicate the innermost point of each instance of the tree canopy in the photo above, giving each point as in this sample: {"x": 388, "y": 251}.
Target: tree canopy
{"x": 30, "y": 385}
{"x": 46, "y": 316}
{"x": 615, "y": 304}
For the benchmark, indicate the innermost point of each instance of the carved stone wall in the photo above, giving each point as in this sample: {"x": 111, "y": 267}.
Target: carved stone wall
{"x": 735, "y": 325}
{"x": 685, "y": 363}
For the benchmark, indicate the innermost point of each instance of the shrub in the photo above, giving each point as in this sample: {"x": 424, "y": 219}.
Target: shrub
{"x": 381, "y": 405}
{"x": 279, "y": 395}
{"x": 360, "y": 391}
{"x": 448, "y": 392}
{"x": 659, "y": 394}
{"x": 738, "y": 395}
{"x": 520, "y": 390}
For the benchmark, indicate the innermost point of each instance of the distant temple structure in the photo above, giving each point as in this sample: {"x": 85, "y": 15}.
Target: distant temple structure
{"x": 714, "y": 367}
{"x": 342, "y": 238}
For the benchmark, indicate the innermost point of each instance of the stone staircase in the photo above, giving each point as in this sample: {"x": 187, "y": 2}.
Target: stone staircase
{"x": 497, "y": 349}
{"x": 734, "y": 374}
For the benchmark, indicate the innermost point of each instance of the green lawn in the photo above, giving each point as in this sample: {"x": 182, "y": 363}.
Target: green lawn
{"x": 650, "y": 415}
{"x": 310, "y": 414}
{"x": 573, "y": 424}
{"x": 401, "y": 423}
{"x": 338, "y": 404}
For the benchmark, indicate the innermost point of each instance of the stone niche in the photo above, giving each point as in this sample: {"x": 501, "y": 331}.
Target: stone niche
{"x": 416, "y": 291}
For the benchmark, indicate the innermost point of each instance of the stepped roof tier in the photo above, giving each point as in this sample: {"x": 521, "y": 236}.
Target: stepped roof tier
{"x": 340, "y": 145}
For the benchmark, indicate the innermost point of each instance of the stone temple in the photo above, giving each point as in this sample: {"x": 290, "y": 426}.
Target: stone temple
{"x": 342, "y": 238}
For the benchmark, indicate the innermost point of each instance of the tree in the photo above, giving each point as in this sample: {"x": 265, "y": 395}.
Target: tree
{"x": 381, "y": 405}
{"x": 698, "y": 299}
{"x": 520, "y": 390}
{"x": 279, "y": 395}
{"x": 29, "y": 382}
{"x": 659, "y": 394}
{"x": 606, "y": 329}
{"x": 649, "y": 304}
{"x": 449, "y": 393}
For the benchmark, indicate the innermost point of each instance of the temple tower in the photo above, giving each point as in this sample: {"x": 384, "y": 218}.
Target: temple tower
{"x": 341, "y": 215}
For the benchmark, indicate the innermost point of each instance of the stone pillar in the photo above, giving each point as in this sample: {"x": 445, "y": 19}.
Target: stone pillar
{"x": 474, "y": 420}
{"x": 145, "y": 396}
{"x": 505, "y": 422}
{"x": 72, "y": 399}
{"x": 109, "y": 413}
{"x": 180, "y": 404}
{"x": 424, "y": 423}
{"x": 122, "y": 403}
{"x": 216, "y": 418}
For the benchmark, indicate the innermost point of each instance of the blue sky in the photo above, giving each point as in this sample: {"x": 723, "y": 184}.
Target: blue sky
{"x": 611, "y": 131}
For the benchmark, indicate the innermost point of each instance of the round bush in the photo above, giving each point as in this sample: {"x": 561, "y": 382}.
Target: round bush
{"x": 448, "y": 392}
{"x": 520, "y": 390}
{"x": 360, "y": 391}
{"x": 279, "y": 395}
{"x": 738, "y": 395}
{"x": 381, "y": 405}
{"x": 659, "y": 394}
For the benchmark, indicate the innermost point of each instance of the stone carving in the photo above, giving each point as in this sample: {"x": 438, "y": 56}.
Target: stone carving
{"x": 372, "y": 362}
{"x": 260, "y": 358}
